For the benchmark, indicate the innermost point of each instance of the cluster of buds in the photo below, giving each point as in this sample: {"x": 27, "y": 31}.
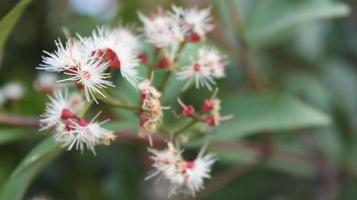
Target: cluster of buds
{"x": 10, "y": 92}
{"x": 70, "y": 129}
{"x": 184, "y": 176}
{"x": 210, "y": 112}
{"x": 151, "y": 110}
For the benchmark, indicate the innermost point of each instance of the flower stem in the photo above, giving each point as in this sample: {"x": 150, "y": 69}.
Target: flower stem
{"x": 115, "y": 103}
{"x": 85, "y": 109}
{"x": 164, "y": 81}
{"x": 184, "y": 128}
{"x": 168, "y": 74}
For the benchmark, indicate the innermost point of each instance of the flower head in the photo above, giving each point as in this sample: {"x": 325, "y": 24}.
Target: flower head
{"x": 68, "y": 55}
{"x": 185, "y": 177}
{"x": 61, "y": 107}
{"x": 92, "y": 76}
{"x": 81, "y": 134}
{"x": 198, "y": 22}
{"x": 162, "y": 29}
{"x": 209, "y": 65}
{"x": 118, "y": 47}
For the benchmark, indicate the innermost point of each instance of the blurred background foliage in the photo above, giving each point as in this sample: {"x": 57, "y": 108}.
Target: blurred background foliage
{"x": 291, "y": 85}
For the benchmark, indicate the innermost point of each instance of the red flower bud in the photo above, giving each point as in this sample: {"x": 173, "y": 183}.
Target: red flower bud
{"x": 211, "y": 121}
{"x": 208, "y": 105}
{"x": 83, "y": 122}
{"x": 188, "y": 111}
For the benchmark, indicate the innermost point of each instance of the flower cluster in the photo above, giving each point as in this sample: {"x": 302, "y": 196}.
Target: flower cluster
{"x": 11, "y": 91}
{"x": 88, "y": 64}
{"x": 184, "y": 176}
{"x": 210, "y": 112}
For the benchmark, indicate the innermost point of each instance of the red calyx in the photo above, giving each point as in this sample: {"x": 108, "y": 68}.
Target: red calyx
{"x": 163, "y": 63}
{"x": 144, "y": 95}
{"x": 112, "y": 56}
{"x": 70, "y": 125}
{"x": 67, "y": 114}
{"x": 143, "y": 57}
{"x": 196, "y": 67}
{"x": 83, "y": 122}
{"x": 194, "y": 37}
{"x": 190, "y": 164}
{"x": 188, "y": 111}
{"x": 208, "y": 105}
{"x": 211, "y": 121}
{"x": 143, "y": 119}
{"x": 108, "y": 55}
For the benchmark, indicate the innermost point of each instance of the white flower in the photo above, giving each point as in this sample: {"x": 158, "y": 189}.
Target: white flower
{"x": 162, "y": 29}
{"x": 198, "y": 22}
{"x": 13, "y": 91}
{"x": 66, "y": 56}
{"x": 164, "y": 161}
{"x": 209, "y": 65}
{"x": 60, "y": 107}
{"x": 80, "y": 134}
{"x": 127, "y": 38}
{"x": 197, "y": 171}
{"x": 118, "y": 47}
{"x": 46, "y": 82}
{"x": 92, "y": 76}
{"x": 185, "y": 177}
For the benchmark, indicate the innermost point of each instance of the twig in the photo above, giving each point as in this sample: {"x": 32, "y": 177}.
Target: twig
{"x": 19, "y": 121}
{"x": 255, "y": 79}
{"x": 168, "y": 74}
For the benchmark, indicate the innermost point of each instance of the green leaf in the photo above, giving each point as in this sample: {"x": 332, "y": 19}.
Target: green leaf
{"x": 259, "y": 113}
{"x": 298, "y": 166}
{"x": 16, "y": 185}
{"x": 10, "y": 135}
{"x": 273, "y": 18}
{"x": 8, "y": 22}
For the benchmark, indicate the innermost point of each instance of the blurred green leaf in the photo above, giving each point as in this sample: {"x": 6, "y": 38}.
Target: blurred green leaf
{"x": 274, "y": 17}
{"x": 10, "y": 135}
{"x": 15, "y": 187}
{"x": 8, "y": 22}
{"x": 298, "y": 165}
{"x": 259, "y": 113}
